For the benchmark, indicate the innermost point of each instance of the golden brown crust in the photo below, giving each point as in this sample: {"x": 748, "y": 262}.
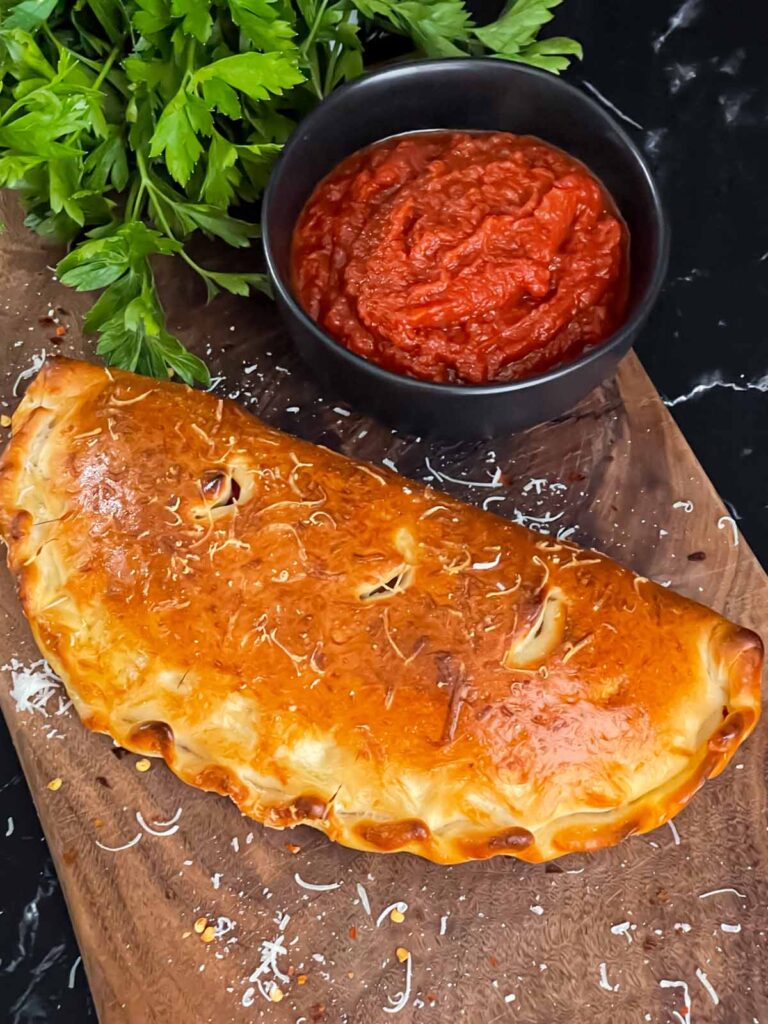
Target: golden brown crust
{"x": 329, "y": 644}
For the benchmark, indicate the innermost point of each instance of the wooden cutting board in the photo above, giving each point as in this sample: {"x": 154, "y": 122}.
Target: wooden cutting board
{"x": 667, "y": 927}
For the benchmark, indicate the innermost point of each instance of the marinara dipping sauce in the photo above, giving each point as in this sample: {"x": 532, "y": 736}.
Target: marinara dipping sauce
{"x": 462, "y": 257}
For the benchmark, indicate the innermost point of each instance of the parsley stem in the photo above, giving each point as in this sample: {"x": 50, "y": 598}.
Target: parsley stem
{"x": 51, "y": 37}
{"x": 311, "y": 55}
{"x": 135, "y": 198}
{"x": 159, "y": 213}
{"x": 190, "y": 59}
{"x": 107, "y": 67}
{"x": 314, "y": 74}
{"x": 335, "y": 50}
{"x": 15, "y": 106}
{"x": 314, "y": 27}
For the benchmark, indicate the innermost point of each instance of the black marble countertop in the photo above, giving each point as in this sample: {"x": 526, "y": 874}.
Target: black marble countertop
{"x": 689, "y": 83}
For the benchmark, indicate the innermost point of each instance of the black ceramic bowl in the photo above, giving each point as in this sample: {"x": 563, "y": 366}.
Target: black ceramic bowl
{"x": 476, "y": 95}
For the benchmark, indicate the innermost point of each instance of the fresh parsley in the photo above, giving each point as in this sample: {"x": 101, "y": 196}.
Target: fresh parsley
{"x": 129, "y": 126}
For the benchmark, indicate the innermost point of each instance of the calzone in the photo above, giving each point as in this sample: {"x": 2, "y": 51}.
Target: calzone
{"x": 330, "y": 644}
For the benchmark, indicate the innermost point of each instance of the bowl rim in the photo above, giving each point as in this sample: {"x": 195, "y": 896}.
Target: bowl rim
{"x": 454, "y": 65}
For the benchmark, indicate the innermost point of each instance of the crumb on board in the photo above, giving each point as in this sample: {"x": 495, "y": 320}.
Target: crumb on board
{"x": 200, "y": 925}
{"x": 143, "y": 764}
{"x": 55, "y": 784}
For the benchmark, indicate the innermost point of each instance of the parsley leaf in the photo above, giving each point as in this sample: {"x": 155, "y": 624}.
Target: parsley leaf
{"x": 438, "y": 27}
{"x": 514, "y": 33}
{"x": 196, "y": 18}
{"x": 175, "y": 137}
{"x": 29, "y": 14}
{"x": 258, "y": 75}
{"x": 262, "y": 23}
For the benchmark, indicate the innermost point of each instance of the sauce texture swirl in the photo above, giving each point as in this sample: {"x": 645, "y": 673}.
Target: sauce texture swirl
{"x": 462, "y": 257}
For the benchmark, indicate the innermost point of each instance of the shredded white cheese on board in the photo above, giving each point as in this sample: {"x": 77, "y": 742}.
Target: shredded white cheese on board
{"x": 666, "y": 983}
{"x": 604, "y": 983}
{"x": 32, "y": 687}
{"x": 363, "y": 894}
{"x": 716, "y": 892}
{"x": 315, "y": 886}
{"x": 707, "y": 985}
{"x": 403, "y": 998}
{"x": 271, "y": 951}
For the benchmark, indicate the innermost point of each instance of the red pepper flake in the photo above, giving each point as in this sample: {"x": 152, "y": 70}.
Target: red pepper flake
{"x": 494, "y": 962}
{"x": 353, "y": 932}
{"x": 292, "y": 848}
{"x": 60, "y": 331}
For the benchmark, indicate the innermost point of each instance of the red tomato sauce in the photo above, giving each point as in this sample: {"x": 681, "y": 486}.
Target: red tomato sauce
{"x": 460, "y": 257}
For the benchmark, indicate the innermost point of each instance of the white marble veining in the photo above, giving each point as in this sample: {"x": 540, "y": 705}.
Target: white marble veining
{"x": 716, "y": 381}
{"x": 679, "y": 75}
{"x": 684, "y": 16}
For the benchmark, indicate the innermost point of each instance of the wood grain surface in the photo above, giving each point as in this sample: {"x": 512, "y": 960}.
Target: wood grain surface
{"x": 626, "y": 935}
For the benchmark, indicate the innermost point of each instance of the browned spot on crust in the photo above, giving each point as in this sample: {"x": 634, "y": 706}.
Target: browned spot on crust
{"x": 219, "y": 780}
{"x": 19, "y": 525}
{"x": 728, "y": 733}
{"x": 303, "y": 808}
{"x": 153, "y": 738}
{"x": 393, "y": 835}
{"x": 310, "y": 807}
{"x": 511, "y": 839}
